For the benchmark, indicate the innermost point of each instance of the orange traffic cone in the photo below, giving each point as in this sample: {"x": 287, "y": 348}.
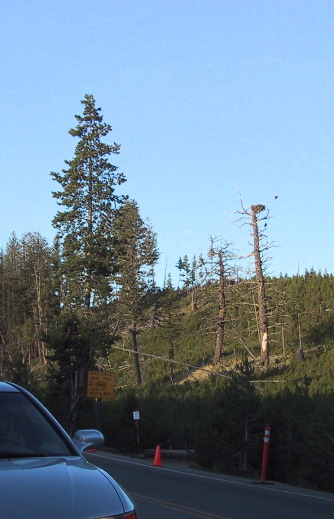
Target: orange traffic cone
{"x": 157, "y": 458}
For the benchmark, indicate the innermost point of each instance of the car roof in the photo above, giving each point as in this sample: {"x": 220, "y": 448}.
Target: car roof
{"x": 5, "y": 387}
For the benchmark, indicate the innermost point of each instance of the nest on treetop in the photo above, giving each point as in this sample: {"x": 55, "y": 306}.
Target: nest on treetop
{"x": 257, "y": 208}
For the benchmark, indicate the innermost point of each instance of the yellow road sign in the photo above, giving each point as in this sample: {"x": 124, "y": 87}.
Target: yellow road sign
{"x": 101, "y": 384}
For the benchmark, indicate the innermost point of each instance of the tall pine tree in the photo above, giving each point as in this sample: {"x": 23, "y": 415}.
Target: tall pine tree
{"x": 84, "y": 254}
{"x": 136, "y": 254}
{"x": 89, "y": 201}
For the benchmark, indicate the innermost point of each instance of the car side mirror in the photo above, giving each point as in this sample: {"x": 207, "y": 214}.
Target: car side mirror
{"x": 86, "y": 439}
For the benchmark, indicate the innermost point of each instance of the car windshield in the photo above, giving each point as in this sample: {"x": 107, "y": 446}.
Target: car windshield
{"x": 25, "y": 431}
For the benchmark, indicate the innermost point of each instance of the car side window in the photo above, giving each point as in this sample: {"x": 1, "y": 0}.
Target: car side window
{"x": 24, "y": 429}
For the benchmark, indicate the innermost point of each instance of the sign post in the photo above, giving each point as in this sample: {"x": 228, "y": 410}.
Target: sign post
{"x": 136, "y": 417}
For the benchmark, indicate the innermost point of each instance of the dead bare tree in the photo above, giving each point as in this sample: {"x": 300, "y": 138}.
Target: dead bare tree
{"x": 263, "y": 325}
{"x": 222, "y": 308}
{"x": 262, "y": 300}
{"x": 220, "y": 255}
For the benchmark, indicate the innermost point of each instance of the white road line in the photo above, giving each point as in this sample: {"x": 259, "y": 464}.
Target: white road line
{"x": 212, "y": 478}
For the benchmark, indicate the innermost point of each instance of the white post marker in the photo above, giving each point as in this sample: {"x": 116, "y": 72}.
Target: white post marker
{"x": 136, "y": 417}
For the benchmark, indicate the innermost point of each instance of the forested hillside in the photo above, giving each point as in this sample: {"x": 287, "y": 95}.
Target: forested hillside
{"x": 208, "y": 360}
{"x": 217, "y": 410}
{"x": 173, "y": 337}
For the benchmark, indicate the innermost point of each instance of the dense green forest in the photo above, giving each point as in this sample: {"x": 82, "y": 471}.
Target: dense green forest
{"x": 189, "y": 355}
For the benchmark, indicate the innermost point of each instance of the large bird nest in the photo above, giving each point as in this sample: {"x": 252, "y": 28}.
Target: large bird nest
{"x": 257, "y": 208}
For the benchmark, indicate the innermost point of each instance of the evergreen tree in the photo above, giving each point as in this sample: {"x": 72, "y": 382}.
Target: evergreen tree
{"x": 36, "y": 270}
{"x": 26, "y": 298}
{"x": 136, "y": 254}
{"x": 75, "y": 340}
{"x": 170, "y": 325}
{"x": 83, "y": 255}
{"x": 229, "y": 437}
{"x": 183, "y": 265}
{"x": 188, "y": 273}
{"x": 89, "y": 198}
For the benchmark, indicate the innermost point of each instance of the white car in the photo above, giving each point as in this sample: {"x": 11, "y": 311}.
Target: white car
{"x": 43, "y": 473}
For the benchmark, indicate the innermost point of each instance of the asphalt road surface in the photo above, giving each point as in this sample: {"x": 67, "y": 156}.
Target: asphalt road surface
{"x": 177, "y": 491}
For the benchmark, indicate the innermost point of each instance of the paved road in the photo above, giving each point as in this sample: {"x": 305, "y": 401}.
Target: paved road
{"x": 177, "y": 491}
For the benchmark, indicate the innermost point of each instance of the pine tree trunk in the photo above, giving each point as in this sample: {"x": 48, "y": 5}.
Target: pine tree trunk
{"x": 135, "y": 355}
{"x": 171, "y": 356}
{"x": 40, "y": 320}
{"x": 154, "y": 315}
{"x": 88, "y": 284}
{"x": 222, "y": 310}
{"x": 77, "y": 392}
{"x": 194, "y": 305}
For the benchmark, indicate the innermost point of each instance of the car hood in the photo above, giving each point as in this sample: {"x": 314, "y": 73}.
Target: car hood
{"x": 58, "y": 488}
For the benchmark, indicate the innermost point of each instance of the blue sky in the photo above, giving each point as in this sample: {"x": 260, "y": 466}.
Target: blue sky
{"x": 210, "y": 100}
